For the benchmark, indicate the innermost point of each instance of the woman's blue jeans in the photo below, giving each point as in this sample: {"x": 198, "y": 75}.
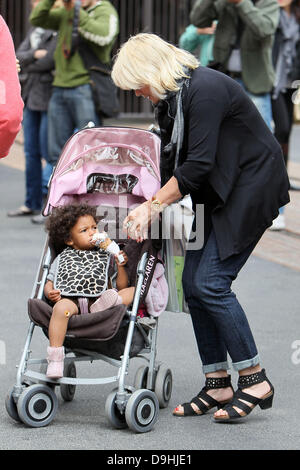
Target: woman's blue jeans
{"x": 219, "y": 322}
{"x": 36, "y": 148}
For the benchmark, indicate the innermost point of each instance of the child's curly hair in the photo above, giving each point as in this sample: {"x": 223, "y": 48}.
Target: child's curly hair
{"x": 61, "y": 221}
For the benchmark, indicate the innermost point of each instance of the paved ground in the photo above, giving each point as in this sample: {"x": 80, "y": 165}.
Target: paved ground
{"x": 268, "y": 288}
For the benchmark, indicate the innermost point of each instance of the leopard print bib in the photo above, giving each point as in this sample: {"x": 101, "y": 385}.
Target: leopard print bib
{"x": 82, "y": 273}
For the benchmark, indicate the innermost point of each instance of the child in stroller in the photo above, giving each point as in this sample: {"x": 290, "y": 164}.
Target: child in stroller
{"x": 111, "y": 169}
{"x": 77, "y": 276}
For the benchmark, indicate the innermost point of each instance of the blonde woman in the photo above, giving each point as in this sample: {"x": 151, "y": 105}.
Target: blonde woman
{"x": 217, "y": 148}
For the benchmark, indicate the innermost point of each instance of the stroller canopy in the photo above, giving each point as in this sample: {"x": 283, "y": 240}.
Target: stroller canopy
{"x": 102, "y": 165}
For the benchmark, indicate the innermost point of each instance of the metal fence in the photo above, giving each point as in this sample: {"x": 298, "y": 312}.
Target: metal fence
{"x": 15, "y": 13}
{"x": 168, "y": 18}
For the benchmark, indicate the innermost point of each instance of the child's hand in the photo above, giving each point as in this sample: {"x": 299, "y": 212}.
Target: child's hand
{"x": 124, "y": 256}
{"x": 54, "y": 295}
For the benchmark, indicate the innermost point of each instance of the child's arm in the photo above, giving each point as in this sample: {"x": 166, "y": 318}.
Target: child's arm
{"x": 122, "y": 277}
{"x": 51, "y": 293}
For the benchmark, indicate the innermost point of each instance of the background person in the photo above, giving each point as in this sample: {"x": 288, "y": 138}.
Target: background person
{"x": 35, "y": 55}
{"x": 243, "y": 43}
{"x": 217, "y": 148}
{"x": 71, "y": 105}
{"x": 202, "y": 39}
{"x": 285, "y": 63}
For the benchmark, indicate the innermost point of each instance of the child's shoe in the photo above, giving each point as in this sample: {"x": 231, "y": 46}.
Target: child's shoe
{"x": 108, "y": 299}
{"x": 55, "y": 360}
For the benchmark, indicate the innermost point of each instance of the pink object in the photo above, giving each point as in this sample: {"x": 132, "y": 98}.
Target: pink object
{"x": 83, "y": 305}
{"x": 55, "y": 359}
{"x": 108, "y": 299}
{"x": 110, "y": 151}
{"x": 158, "y": 293}
{"x": 11, "y": 104}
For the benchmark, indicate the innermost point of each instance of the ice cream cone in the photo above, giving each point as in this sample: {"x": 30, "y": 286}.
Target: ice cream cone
{"x": 105, "y": 243}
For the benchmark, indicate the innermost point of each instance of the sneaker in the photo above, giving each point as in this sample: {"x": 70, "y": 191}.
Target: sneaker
{"x": 278, "y": 223}
{"x": 21, "y": 211}
{"x": 38, "y": 219}
{"x": 294, "y": 186}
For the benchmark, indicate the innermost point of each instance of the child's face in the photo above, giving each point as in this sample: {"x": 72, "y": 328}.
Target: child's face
{"x": 82, "y": 232}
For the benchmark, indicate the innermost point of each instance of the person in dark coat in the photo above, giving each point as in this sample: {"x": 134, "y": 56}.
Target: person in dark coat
{"x": 217, "y": 148}
{"x": 35, "y": 55}
{"x": 285, "y": 58}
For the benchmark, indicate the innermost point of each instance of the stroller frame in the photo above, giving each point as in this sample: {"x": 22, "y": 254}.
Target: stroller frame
{"x": 135, "y": 407}
{"x": 32, "y": 399}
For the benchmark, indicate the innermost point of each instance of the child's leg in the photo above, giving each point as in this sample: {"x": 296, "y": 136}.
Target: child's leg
{"x": 62, "y": 312}
{"x": 127, "y": 295}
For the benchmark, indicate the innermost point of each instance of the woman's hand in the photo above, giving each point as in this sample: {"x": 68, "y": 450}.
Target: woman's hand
{"x": 137, "y": 223}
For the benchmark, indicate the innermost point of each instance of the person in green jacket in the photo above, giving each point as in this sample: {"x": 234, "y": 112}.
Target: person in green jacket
{"x": 71, "y": 105}
{"x": 203, "y": 38}
{"x": 243, "y": 43}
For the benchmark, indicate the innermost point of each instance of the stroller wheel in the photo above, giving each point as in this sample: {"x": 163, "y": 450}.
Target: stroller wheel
{"x": 67, "y": 391}
{"x": 11, "y": 406}
{"x": 140, "y": 379}
{"x": 114, "y": 415}
{"x": 142, "y": 411}
{"x": 37, "y": 405}
{"x": 163, "y": 385}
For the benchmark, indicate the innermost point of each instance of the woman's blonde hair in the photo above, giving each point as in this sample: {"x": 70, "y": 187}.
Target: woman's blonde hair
{"x": 146, "y": 59}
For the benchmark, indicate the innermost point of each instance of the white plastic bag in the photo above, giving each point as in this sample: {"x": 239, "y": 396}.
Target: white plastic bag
{"x": 177, "y": 224}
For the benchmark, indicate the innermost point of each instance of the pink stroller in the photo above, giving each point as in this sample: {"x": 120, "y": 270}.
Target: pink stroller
{"x": 113, "y": 169}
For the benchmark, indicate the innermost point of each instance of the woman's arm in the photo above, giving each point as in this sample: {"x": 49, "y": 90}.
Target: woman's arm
{"x": 190, "y": 39}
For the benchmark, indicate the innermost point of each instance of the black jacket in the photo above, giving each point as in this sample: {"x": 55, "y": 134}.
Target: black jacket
{"x": 229, "y": 159}
{"x": 37, "y": 74}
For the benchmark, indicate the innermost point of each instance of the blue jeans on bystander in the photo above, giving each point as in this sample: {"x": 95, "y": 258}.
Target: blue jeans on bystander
{"x": 36, "y": 147}
{"x": 69, "y": 109}
{"x": 263, "y": 104}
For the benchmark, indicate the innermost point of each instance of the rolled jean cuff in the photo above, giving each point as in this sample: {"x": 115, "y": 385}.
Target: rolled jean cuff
{"x": 215, "y": 367}
{"x": 245, "y": 364}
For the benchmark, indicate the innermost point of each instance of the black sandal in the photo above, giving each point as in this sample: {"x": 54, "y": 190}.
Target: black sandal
{"x": 246, "y": 381}
{"x": 210, "y": 383}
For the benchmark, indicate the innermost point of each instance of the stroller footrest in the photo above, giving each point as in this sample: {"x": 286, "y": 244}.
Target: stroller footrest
{"x": 37, "y": 377}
